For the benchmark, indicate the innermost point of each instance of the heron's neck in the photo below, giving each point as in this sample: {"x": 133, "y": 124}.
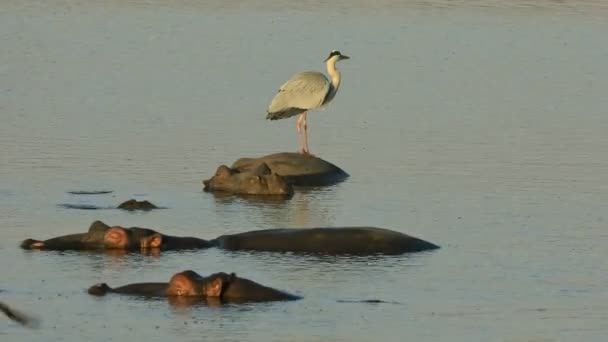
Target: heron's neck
{"x": 334, "y": 73}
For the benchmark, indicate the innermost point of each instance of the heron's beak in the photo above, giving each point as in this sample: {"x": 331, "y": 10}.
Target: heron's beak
{"x": 344, "y": 57}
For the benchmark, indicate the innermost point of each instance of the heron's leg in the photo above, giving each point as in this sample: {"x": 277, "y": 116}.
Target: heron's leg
{"x": 306, "y": 149}
{"x": 298, "y": 126}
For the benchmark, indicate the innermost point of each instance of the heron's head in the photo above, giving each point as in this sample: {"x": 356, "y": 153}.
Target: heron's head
{"x": 336, "y": 56}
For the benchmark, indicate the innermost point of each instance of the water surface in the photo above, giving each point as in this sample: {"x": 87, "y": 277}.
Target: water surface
{"x": 479, "y": 126}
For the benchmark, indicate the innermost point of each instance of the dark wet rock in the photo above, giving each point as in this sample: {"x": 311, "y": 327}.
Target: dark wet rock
{"x": 137, "y": 205}
{"x": 94, "y": 192}
{"x": 297, "y": 169}
{"x": 258, "y": 180}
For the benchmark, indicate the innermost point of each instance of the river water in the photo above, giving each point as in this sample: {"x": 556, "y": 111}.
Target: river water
{"x": 477, "y": 125}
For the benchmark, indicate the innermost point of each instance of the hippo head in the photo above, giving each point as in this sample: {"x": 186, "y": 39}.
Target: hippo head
{"x": 272, "y": 184}
{"x": 257, "y": 181}
{"x": 151, "y": 241}
{"x": 32, "y": 244}
{"x": 131, "y": 238}
{"x": 191, "y": 284}
{"x": 216, "y": 284}
{"x": 99, "y": 289}
{"x": 221, "y": 176}
{"x": 186, "y": 283}
{"x": 117, "y": 238}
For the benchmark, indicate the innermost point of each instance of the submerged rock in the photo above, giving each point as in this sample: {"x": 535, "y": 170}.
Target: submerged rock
{"x": 296, "y": 168}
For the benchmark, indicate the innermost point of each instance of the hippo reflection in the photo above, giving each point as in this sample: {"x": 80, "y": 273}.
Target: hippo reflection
{"x": 223, "y": 286}
{"x": 329, "y": 240}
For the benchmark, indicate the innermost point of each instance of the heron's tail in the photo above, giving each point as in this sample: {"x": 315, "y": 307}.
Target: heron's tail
{"x": 283, "y": 114}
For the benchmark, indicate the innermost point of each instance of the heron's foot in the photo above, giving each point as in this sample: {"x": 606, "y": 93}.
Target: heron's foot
{"x": 306, "y": 152}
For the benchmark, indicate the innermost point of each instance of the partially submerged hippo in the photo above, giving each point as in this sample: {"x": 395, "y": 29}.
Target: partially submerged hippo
{"x": 345, "y": 240}
{"x": 257, "y": 181}
{"x": 220, "y": 286}
{"x": 296, "y": 168}
{"x": 101, "y": 236}
{"x": 133, "y": 204}
{"x": 335, "y": 241}
{"x": 130, "y": 205}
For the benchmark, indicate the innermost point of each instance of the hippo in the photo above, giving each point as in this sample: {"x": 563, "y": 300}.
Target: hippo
{"x": 257, "y": 181}
{"x": 218, "y": 286}
{"x": 296, "y": 168}
{"x": 333, "y": 241}
{"x": 101, "y": 236}
{"x": 130, "y": 205}
{"x": 133, "y": 204}
{"x": 326, "y": 240}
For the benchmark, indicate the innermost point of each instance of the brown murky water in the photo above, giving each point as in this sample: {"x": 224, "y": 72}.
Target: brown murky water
{"x": 477, "y": 125}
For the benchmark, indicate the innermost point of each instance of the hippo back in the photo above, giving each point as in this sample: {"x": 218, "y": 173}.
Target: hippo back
{"x": 241, "y": 290}
{"x": 344, "y": 240}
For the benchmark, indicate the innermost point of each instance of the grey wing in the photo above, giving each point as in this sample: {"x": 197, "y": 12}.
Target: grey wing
{"x": 305, "y": 90}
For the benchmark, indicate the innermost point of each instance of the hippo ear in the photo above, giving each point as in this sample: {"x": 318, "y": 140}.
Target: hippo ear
{"x": 214, "y": 287}
{"x": 153, "y": 241}
{"x": 261, "y": 169}
{"x": 223, "y": 172}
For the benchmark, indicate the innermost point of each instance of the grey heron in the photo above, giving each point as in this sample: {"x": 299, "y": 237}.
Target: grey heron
{"x": 305, "y": 91}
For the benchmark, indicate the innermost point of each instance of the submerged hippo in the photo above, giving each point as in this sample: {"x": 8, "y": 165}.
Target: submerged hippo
{"x": 133, "y": 204}
{"x": 296, "y": 168}
{"x": 330, "y": 240}
{"x": 222, "y": 286}
{"x": 130, "y": 205}
{"x": 345, "y": 240}
{"x": 101, "y": 236}
{"x": 257, "y": 181}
